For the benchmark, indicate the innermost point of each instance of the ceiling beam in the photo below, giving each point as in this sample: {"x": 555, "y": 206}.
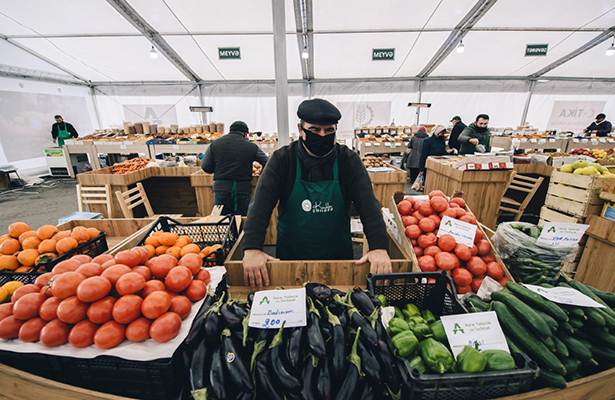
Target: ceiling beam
{"x": 9, "y": 71}
{"x": 309, "y": 9}
{"x": 604, "y": 36}
{"x": 132, "y": 16}
{"x": 472, "y": 17}
{"x": 301, "y": 42}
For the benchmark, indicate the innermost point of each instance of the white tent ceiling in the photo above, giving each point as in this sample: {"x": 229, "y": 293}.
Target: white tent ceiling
{"x": 93, "y": 41}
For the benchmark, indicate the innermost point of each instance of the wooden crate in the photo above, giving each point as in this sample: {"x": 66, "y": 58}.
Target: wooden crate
{"x": 372, "y": 147}
{"x": 386, "y": 184}
{"x": 549, "y": 215}
{"x": 577, "y": 195}
{"x": 594, "y": 268}
{"x": 117, "y": 229}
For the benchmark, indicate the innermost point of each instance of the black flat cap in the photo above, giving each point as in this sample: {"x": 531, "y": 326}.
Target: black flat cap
{"x": 239, "y": 126}
{"x": 319, "y": 112}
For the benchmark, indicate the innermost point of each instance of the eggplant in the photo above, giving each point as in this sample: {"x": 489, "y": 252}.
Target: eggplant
{"x": 245, "y": 396}
{"x": 353, "y": 373}
{"x": 239, "y": 309}
{"x": 216, "y": 375}
{"x": 370, "y": 364}
{"x": 362, "y": 302}
{"x": 283, "y": 376}
{"x": 387, "y": 364}
{"x": 196, "y": 332}
{"x": 293, "y": 347}
{"x": 367, "y": 392}
{"x": 236, "y": 370}
{"x": 259, "y": 347}
{"x": 231, "y": 319}
{"x": 250, "y": 298}
{"x": 359, "y": 321}
{"x": 323, "y": 381}
{"x": 213, "y": 321}
{"x": 264, "y": 383}
{"x": 319, "y": 291}
{"x": 316, "y": 342}
{"x": 337, "y": 346}
{"x": 310, "y": 373}
{"x": 197, "y": 365}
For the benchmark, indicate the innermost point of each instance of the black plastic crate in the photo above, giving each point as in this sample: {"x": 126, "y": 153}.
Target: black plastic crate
{"x": 92, "y": 248}
{"x": 439, "y": 297}
{"x": 224, "y": 233}
{"x": 25, "y": 277}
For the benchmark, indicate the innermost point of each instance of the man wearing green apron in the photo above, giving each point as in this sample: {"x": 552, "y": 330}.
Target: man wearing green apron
{"x": 314, "y": 182}
{"x": 60, "y": 131}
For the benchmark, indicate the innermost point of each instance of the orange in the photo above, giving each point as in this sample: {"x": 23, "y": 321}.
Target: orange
{"x": 174, "y": 251}
{"x": 183, "y": 241}
{"x": 151, "y": 249}
{"x": 8, "y": 262}
{"x": 65, "y": 245}
{"x": 4, "y": 237}
{"x": 25, "y": 235}
{"x": 190, "y": 248}
{"x": 93, "y": 233}
{"x": 161, "y": 250}
{"x": 23, "y": 269}
{"x": 80, "y": 234}
{"x": 152, "y": 241}
{"x": 167, "y": 238}
{"x": 46, "y": 232}
{"x": 44, "y": 258}
{"x": 27, "y": 257}
{"x": 9, "y": 246}
{"x": 17, "y": 228}
{"x": 31, "y": 243}
{"x": 61, "y": 235}
{"x": 47, "y": 246}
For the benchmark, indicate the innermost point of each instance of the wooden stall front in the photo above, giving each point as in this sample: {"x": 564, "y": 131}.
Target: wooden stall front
{"x": 482, "y": 190}
{"x": 594, "y": 267}
{"x": 387, "y": 183}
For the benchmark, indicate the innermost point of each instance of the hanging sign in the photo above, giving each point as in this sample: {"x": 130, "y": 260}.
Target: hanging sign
{"x": 463, "y": 232}
{"x": 532, "y": 50}
{"x": 480, "y": 330}
{"x": 229, "y": 53}
{"x": 383, "y": 54}
{"x": 270, "y": 308}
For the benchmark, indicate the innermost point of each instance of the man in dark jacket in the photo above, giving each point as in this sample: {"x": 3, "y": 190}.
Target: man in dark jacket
{"x": 415, "y": 147}
{"x": 458, "y": 127}
{"x": 476, "y": 136}
{"x": 313, "y": 181}
{"x": 60, "y": 131}
{"x": 230, "y": 159}
{"x": 435, "y": 145}
{"x": 601, "y": 127}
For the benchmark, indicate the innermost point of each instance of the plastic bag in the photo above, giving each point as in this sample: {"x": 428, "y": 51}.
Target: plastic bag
{"x": 528, "y": 261}
{"x": 417, "y": 186}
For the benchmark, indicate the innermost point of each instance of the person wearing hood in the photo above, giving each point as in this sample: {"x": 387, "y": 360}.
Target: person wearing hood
{"x": 230, "y": 159}
{"x": 415, "y": 147}
{"x": 313, "y": 181}
{"x": 435, "y": 145}
{"x": 476, "y": 136}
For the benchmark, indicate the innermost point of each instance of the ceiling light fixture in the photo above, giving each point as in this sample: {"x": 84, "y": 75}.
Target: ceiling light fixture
{"x": 611, "y": 50}
{"x": 153, "y": 54}
{"x": 460, "y": 47}
{"x": 305, "y": 54}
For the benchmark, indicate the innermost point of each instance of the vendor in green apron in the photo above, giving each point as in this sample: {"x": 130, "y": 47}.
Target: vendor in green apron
{"x": 314, "y": 182}
{"x": 60, "y": 131}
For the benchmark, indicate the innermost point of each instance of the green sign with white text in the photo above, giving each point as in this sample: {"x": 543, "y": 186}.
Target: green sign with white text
{"x": 383, "y": 54}
{"x": 532, "y": 50}
{"x": 229, "y": 53}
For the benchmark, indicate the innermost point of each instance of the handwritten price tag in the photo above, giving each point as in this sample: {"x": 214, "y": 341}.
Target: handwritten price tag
{"x": 561, "y": 234}
{"x": 480, "y": 330}
{"x": 271, "y": 308}
{"x": 463, "y": 232}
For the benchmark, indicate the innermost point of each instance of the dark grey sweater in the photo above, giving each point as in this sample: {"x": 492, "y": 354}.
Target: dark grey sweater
{"x": 230, "y": 157}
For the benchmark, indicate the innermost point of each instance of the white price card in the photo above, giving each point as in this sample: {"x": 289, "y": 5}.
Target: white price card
{"x": 533, "y": 141}
{"x": 560, "y": 234}
{"x": 271, "y": 308}
{"x": 128, "y": 143}
{"x": 387, "y": 144}
{"x": 564, "y": 295}
{"x": 523, "y": 140}
{"x": 602, "y": 140}
{"x": 175, "y": 147}
{"x": 542, "y": 141}
{"x": 397, "y": 144}
{"x": 611, "y": 140}
{"x": 368, "y": 145}
{"x": 123, "y": 146}
{"x": 575, "y": 140}
{"x": 463, "y": 232}
{"x": 480, "y": 330}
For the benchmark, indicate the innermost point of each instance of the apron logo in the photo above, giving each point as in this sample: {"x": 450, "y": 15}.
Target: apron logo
{"x": 317, "y": 207}
{"x": 306, "y": 205}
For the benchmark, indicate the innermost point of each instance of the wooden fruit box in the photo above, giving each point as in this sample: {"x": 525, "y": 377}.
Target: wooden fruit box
{"x": 593, "y": 268}
{"x": 408, "y": 249}
{"x": 386, "y": 184}
{"x": 103, "y": 176}
{"x": 577, "y": 195}
{"x": 549, "y": 215}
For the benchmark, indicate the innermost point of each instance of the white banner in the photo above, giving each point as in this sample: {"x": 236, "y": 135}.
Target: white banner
{"x": 360, "y": 114}
{"x": 574, "y": 115}
{"x": 160, "y": 114}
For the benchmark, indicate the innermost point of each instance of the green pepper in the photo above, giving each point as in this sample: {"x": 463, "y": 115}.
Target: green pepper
{"x": 499, "y": 360}
{"x": 437, "y": 329}
{"x": 398, "y": 313}
{"x": 405, "y": 343}
{"x": 421, "y": 330}
{"x": 397, "y": 325}
{"x": 436, "y": 356}
{"x": 428, "y": 316}
{"x": 418, "y": 364}
{"x": 411, "y": 310}
{"x": 416, "y": 320}
{"x": 382, "y": 300}
{"x": 471, "y": 360}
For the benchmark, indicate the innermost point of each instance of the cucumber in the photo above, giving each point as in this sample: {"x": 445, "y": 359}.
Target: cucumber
{"x": 607, "y": 297}
{"x": 476, "y": 303}
{"x": 605, "y": 356}
{"x": 513, "y": 347}
{"x": 575, "y": 312}
{"x": 595, "y": 317}
{"x": 585, "y": 342}
{"x": 565, "y": 327}
{"x": 576, "y": 348}
{"x": 575, "y": 323}
{"x": 608, "y": 319}
{"x": 526, "y": 340}
{"x": 572, "y": 365}
{"x": 605, "y": 337}
{"x": 547, "y": 285}
{"x": 550, "y": 343}
{"x": 524, "y": 312}
{"x": 561, "y": 348}
{"x": 585, "y": 290}
{"x": 551, "y": 379}
{"x": 549, "y": 320}
{"x": 537, "y": 301}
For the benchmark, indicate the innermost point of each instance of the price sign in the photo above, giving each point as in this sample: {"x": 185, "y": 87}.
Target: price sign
{"x": 397, "y": 144}
{"x": 368, "y": 145}
{"x": 523, "y": 140}
{"x": 463, "y": 232}
{"x": 542, "y": 141}
{"x": 575, "y": 140}
{"x": 387, "y": 144}
{"x": 564, "y": 295}
{"x": 175, "y": 147}
{"x": 559, "y": 234}
{"x": 128, "y": 143}
{"x": 271, "y": 308}
{"x": 533, "y": 141}
{"x": 602, "y": 140}
{"x": 480, "y": 330}
{"x": 611, "y": 140}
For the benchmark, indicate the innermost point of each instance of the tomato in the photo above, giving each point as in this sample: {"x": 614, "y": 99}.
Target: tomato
{"x": 489, "y": 258}
{"x": 43, "y": 279}
{"x": 24, "y": 290}
{"x": 65, "y": 285}
{"x": 54, "y": 333}
{"x": 178, "y": 279}
{"x": 72, "y": 310}
{"x": 204, "y": 276}
{"x": 156, "y": 304}
{"x": 161, "y": 265}
{"x": 193, "y": 262}
{"x": 93, "y": 288}
{"x": 447, "y": 243}
{"x": 9, "y": 327}
{"x": 495, "y": 271}
{"x": 427, "y": 240}
{"x": 431, "y": 251}
{"x": 477, "y": 266}
{"x": 165, "y": 327}
{"x": 129, "y": 283}
{"x": 503, "y": 281}
{"x": 48, "y": 310}
{"x": 463, "y": 289}
{"x": 463, "y": 252}
{"x": 109, "y": 263}
{"x": 459, "y": 201}
{"x": 27, "y": 306}
{"x": 424, "y": 208}
{"x": 474, "y": 250}
{"x": 138, "y": 330}
{"x": 65, "y": 266}
{"x": 418, "y": 216}
{"x": 478, "y": 237}
{"x": 103, "y": 258}
{"x": 462, "y": 277}
{"x": 438, "y": 203}
{"x": 412, "y": 231}
{"x": 427, "y": 264}
{"x": 436, "y": 219}
{"x": 82, "y": 334}
{"x": 30, "y": 331}
{"x": 109, "y": 335}
{"x": 460, "y": 212}
{"x": 445, "y": 261}
{"x": 101, "y": 310}
{"x": 114, "y": 272}
{"x": 82, "y": 258}
{"x": 449, "y": 212}
{"x": 427, "y": 225}
{"x": 90, "y": 269}
{"x": 470, "y": 219}
{"x": 129, "y": 258}
{"x": 404, "y": 207}
{"x": 436, "y": 193}
{"x": 418, "y": 251}
{"x": 6, "y": 309}
{"x": 476, "y": 282}
{"x": 144, "y": 271}
{"x": 484, "y": 248}
{"x": 181, "y": 306}
{"x": 152, "y": 286}
{"x": 196, "y": 291}
{"x": 127, "y": 308}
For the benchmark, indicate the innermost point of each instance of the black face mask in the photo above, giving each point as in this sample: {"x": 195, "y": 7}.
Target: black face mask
{"x": 319, "y": 145}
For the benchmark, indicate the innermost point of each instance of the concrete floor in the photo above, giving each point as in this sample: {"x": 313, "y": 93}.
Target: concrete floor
{"x": 39, "y": 204}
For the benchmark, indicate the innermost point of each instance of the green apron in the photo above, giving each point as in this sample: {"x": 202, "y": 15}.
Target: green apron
{"x": 315, "y": 224}
{"x": 62, "y": 135}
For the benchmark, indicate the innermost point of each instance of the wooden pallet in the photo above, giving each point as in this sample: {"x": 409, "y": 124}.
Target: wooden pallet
{"x": 577, "y": 195}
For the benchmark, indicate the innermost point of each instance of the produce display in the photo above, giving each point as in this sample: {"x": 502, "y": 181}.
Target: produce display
{"x": 374, "y": 162}
{"x": 22, "y": 249}
{"x": 595, "y": 153}
{"x": 132, "y": 165}
{"x": 105, "y": 300}
{"x": 466, "y": 265}
{"x": 256, "y": 169}
{"x": 567, "y": 342}
{"x": 581, "y": 167}
{"x": 344, "y": 352}
{"x": 161, "y": 242}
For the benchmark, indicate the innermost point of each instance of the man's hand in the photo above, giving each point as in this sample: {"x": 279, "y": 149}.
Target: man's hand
{"x": 379, "y": 261}
{"x": 255, "y": 268}
{"x": 474, "y": 141}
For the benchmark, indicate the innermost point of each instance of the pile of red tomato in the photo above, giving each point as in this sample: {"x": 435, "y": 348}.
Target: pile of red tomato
{"x": 468, "y": 266}
{"x": 106, "y": 300}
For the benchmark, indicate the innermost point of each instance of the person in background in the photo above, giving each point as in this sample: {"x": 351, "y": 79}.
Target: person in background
{"x": 458, "y": 127}
{"x": 415, "y": 147}
{"x": 435, "y": 145}
{"x": 476, "y": 136}
{"x": 60, "y": 131}
{"x": 230, "y": 159}
{"x": 601, "y": 127}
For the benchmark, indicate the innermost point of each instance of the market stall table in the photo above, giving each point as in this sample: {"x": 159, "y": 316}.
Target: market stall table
{"x": 75, "y": 148}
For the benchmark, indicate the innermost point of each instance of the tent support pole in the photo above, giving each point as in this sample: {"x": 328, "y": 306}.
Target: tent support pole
{"x": 528, "y": 100}
{"x": 95, "y": 104}
{"x": 281, "y": 79}
{"x": 418, "y": 109}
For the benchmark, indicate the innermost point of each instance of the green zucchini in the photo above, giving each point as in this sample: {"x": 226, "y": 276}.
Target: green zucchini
{"x": 576, "y": 348}
{"x": 561, "y": 348}
{"x": 551, "y": 379}
{"x": 595, "y": 317}
{"x": 607, "y": 297}
{"x": 524, "y": 312}
{"x": 549, "y": 320}
{"x": 537, "y": 301}
{"x": 526, "y": 340}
